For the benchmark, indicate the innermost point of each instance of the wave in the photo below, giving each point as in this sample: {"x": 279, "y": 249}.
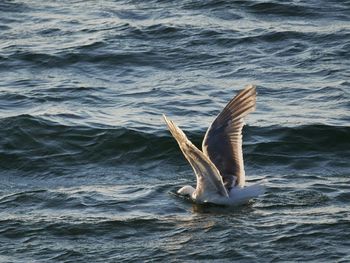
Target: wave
{"x": 30, "y": 142}
{"x": 283, "y": 9}
{"x": 160, "y": 55}
{"x": 10, "y": 6}
{"x": 157, "y": 57}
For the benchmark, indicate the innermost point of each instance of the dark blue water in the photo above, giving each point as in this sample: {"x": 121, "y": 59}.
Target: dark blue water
{"x": 88, "y": 168}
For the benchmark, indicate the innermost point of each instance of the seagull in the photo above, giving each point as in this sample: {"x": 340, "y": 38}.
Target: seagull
{"x": 219, "y": 167}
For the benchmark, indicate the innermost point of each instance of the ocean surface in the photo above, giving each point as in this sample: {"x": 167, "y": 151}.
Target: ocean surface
{"x": 89, "y": 171}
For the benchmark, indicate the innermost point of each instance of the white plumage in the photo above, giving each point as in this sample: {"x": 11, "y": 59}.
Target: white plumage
{"x": 219, "y": 168}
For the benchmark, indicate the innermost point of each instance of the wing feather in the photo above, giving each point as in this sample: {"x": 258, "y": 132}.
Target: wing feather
{"x": 223, "y": 140}
{"x": 208, "y": 176}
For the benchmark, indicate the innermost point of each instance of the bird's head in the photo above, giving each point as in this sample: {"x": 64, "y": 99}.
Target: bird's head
{"x": 187, "y": 190}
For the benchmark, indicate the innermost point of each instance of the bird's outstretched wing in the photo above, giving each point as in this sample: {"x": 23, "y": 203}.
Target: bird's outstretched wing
{"x": 223, "y": 140}
{"x": 209, "y": 180}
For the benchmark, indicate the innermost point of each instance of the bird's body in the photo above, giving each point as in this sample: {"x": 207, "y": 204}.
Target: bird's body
{"x": 219, "y": 167}
{"x": 236, "y": 195}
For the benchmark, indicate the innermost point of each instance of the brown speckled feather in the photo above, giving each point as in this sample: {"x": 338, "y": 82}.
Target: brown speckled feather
{"x": 223, "y": 140}
{"x": 208, "y": 177}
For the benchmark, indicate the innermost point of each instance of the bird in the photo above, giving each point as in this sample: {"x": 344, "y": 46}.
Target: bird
{"x": 219, "y": 166}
